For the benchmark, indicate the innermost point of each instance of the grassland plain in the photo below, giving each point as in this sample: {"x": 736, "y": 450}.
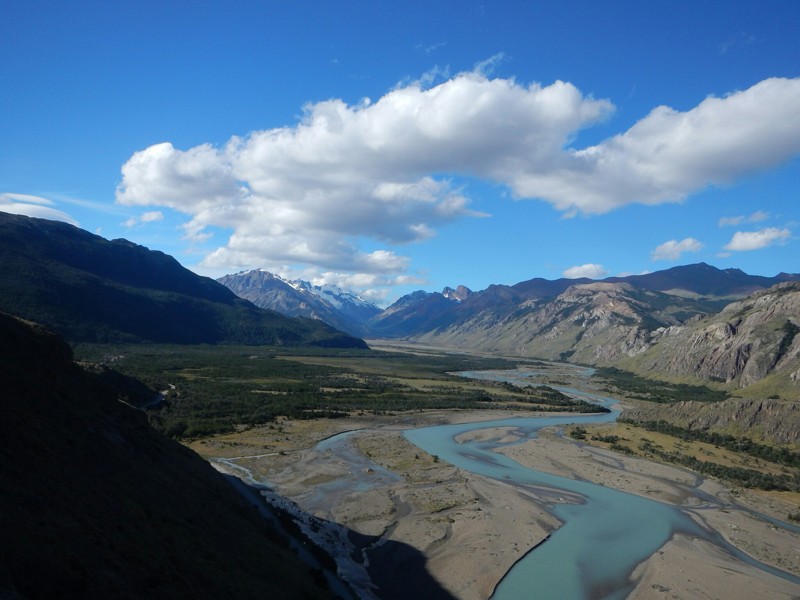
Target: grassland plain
{"x": 205, "y": 390}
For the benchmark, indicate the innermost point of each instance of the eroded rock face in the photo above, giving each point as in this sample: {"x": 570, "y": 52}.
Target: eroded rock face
{"x": 596, "y": 323}
{"x": 616, "y": 324}
{"x": 744, "y": 343}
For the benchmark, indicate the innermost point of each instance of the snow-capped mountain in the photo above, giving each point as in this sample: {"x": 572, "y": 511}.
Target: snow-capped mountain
{"x": 347, "y": 302}
{"x": 343, "y": 309}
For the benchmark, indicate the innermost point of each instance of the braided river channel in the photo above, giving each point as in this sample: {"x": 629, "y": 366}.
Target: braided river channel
{"x": 605, "y": 533}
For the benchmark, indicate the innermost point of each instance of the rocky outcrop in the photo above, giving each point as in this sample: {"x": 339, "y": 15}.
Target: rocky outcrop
{"x": 749, "y": 340}
{"x": 460, "y": 293}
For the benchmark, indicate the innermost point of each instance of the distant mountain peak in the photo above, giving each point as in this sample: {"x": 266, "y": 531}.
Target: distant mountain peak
{"x": 460, "y": 293}
{"x": 345, "y": 310}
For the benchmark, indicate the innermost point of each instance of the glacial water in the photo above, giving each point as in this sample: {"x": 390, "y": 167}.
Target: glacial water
{"x": 605, "y": 534}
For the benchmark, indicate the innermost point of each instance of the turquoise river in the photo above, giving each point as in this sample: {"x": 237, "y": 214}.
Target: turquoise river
{"x": 605, "y": 534}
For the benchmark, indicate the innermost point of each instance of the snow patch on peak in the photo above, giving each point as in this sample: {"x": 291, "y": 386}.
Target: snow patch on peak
{"x": 331, "y": 293}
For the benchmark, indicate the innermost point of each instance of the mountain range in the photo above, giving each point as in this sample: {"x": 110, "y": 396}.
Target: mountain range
{"x": 655, "y": 316}
{"x": 689, "y": 290}
{"x": 344, "y": 310}
{"x": 90, "y": 289}
{"x": 97, "y": 504}
{"x": 695, "y": 322}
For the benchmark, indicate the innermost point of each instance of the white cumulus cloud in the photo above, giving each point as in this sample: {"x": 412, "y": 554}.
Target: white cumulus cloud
{"x": 674, "y": 249}
{"x": 754, "y": 240}
{"x": 305, "y": 194}
{"x": 386, "y": 171}
{"x": 590, "y": 270}
{"x": 670, "y": 154}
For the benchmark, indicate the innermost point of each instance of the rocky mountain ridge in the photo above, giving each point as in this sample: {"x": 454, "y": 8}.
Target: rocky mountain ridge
{"x": 692, "y": 321}
{"x": 593, "y": 323}
{"x": 744, "y": 343}
{"x": 344, "y": 310}
{"x": 711, "y": 286}
{"x": 429, "y": 314}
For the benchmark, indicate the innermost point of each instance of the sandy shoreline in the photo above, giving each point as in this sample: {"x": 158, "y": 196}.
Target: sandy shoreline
{"x": 471, "y": 530}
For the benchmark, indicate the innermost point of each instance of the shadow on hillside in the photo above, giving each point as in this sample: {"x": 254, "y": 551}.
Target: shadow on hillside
{"x": 399, "y": 571}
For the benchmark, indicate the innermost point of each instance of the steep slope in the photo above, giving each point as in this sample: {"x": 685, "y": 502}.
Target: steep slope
{"x": 422, "y": 313}
{"x": 771, "y": 420}
{"x": 90, "y": 289}
{"x": 343, "y": 310}
{"x": 96, "y": 504}
{"x": 595, "y": 323}
{"x": 414, "y": 313}
{"x": 748, "y": 341}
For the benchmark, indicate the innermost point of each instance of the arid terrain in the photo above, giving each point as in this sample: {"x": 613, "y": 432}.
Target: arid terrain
{"x": 471, "y": 530}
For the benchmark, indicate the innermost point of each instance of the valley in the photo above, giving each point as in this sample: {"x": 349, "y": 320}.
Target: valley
{"x": 458, "y": 519}
{"x": 332, "y": 428}
{"x": 400, "y": 301}
{"x": 694, "y": 324}
{"x": 386, "y": 491}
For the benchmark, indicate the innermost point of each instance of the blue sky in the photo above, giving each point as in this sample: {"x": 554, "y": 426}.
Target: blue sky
{"x": 388, "y": 147}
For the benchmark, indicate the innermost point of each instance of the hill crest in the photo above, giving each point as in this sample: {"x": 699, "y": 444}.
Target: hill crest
{"x": 91, "y": 289}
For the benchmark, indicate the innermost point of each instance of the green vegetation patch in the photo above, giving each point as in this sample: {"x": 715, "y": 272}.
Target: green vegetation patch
{"x": 210, "y": 389}
{"x": 618, "y": 382}
{"x": 745, "y": 477}
{"x": 778, "y": 455}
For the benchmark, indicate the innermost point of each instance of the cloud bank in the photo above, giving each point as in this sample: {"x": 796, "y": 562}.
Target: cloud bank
{"x": 349, "y": 178}
{"x": 33, "y": 206}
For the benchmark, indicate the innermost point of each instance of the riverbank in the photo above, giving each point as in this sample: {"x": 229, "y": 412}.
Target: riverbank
{"x": 685, "y": 567}
{"x": 472, "y": 530}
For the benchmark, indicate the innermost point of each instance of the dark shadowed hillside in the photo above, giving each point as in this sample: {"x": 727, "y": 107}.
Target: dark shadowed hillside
{"x": 91, "y": 289}
{"x": 95, "y": 504}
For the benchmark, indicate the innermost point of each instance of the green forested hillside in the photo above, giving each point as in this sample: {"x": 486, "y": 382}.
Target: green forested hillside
{"x": 88, "y": 288}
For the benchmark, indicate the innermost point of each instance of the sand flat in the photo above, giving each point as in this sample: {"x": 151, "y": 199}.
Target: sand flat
{"x": 472, "y": 529}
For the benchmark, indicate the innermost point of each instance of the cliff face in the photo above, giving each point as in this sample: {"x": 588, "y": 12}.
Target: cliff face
{"x": 648, "y": 332}
{"x": 96, "y": 504}
{"x": 748, "y": 341}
